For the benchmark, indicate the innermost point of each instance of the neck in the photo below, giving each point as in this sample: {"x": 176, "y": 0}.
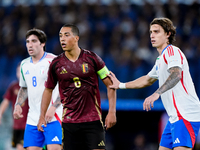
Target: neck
{"x": 37, "y": 58}
{"x": 161, "y": 48}
{"x": 73, "y": 55}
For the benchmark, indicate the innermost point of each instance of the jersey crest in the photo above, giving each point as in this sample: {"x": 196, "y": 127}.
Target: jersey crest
{"x": 42, "y": 68}
{"x": 85, "y": 67}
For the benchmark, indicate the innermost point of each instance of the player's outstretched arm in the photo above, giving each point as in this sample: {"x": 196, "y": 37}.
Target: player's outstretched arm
{"x": 21, "y": 97}
{"x": 111, "y": 116}
{"x": 46, "y": 98}
{"x": 139, "y": 83}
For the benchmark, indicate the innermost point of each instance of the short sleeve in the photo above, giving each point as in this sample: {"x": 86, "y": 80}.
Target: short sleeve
{"x": 174, "y": 58}
{"x": 22, "y": 81}
{"x": 153, "y": 73}
{"x": 102, "y": 70}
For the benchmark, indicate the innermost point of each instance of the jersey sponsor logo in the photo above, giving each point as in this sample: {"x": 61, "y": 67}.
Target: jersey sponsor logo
{"x": 27, "y": 72}
{"x": 55, "y": 139}
{"x": 85, "y": 67}
{"x": 177, "y": 141}
{"x": 101, "y": 143}
{"x": 64, "y": 71}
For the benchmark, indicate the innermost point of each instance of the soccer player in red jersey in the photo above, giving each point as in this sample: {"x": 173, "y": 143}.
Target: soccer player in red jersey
{"x": 18, "y": 125}
{"x": 77, "y": 70}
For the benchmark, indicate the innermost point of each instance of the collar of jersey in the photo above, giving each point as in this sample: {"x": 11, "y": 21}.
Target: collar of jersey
{"x": 45, "y": 54}
{"x": 165, "y": 48}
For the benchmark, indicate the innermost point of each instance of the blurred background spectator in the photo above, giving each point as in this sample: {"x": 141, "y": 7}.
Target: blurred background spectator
{"x": 117, "y": 30}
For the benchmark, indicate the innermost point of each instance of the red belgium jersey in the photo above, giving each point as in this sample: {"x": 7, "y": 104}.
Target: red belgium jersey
{"x": 78, "y": 86}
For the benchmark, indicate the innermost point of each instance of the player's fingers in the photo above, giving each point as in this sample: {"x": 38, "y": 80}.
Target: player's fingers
{"x": 107, "y": 126}
{"x": 112, "y": 74}
{"x": 111, "y": 86}
{"x": 152, "y": 105}
{"x": 40, "y": 129}
{"x": 146, "y": 106}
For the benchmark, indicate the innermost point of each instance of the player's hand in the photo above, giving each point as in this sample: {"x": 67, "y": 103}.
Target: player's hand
{"x": 148, "y": 102}
{"x": 41, "y": 123}
{"x": 17, "y": 113}
{"x": 115, "y": 81}
{"x": 111, "y": 120}
{"x": 50, "y": 113}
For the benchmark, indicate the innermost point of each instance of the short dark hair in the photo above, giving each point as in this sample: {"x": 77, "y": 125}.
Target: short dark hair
{"x": 39, "y": 33}
{"x": 168, "y": 26}
{"x": 74, "y": 28}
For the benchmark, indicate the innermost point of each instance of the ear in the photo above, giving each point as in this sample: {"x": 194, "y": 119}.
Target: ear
{"x": 42, "y": 44}
{"x": 168, "y": 34}
{"x": 77, "y": 38}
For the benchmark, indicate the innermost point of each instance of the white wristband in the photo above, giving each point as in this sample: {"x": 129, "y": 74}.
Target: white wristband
{"x": 122, "y": 86}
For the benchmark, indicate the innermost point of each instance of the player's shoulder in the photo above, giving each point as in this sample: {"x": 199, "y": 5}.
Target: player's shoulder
{"x": 58, "y": 57}
{"x": 50, "y": 55}
{"x": 14, "y": 83}
{"x": 172, "y": 48}
{"x": 89, "y": 53}
{"x": 175, "y": 47}
{"x": 26, "y": 60}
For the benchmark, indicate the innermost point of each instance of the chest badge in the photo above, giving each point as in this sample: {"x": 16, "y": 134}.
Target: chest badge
{"x": 42, "y": 68}
{"x": 85, "y": 67}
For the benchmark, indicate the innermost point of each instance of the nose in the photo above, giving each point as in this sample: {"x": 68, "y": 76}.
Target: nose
{"x": 29, "y": 44}
{"x": 151, "y": 35}
{"x": 62, "y": 38}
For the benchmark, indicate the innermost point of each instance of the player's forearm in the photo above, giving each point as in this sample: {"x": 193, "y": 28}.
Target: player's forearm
{"x": 57, "y": 103}
{"x": 172, "y": 80}
{"x": 4, "y": 106}
{"x": 112, "y": 100}
{"x": 22, "y": 96}
{"x": 46, "y": 98}
{"x": 139, "y": 83}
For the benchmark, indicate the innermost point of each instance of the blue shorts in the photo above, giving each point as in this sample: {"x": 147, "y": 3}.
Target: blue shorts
{"x": 52, "y": 135}
{"x": 180, "y": 133}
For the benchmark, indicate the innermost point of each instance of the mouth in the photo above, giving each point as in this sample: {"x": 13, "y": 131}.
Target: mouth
{"x": 30, "y": 50}
{"x": 63, "y": 45}
{"x": 153, "y": 41}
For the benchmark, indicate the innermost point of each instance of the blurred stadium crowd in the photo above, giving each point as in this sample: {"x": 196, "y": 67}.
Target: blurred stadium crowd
{"x": 117, "y": 30}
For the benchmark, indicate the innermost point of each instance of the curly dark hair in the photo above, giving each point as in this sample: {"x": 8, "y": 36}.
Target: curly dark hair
{"x": 168, "y": 27}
